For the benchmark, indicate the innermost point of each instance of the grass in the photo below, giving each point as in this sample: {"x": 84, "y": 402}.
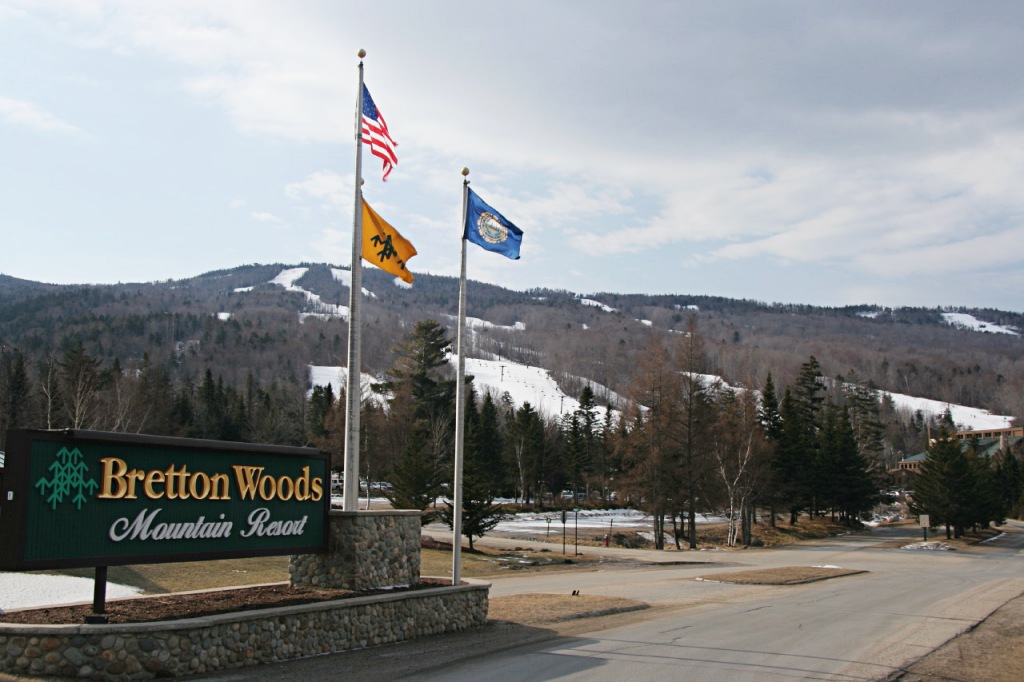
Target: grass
{"x": 193, "y": 575}
{"x": 484, "y": 562}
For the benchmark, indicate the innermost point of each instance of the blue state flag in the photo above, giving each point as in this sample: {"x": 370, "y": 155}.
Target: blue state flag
{"x": 489, "y": 229}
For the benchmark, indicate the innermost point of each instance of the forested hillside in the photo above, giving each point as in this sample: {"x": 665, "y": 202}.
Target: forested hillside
{"x": 242, "y": 336}
{"x": 226, "y": 355}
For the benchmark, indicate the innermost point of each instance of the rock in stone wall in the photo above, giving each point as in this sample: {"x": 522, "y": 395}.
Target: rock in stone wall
{"x": 366, "y": 550}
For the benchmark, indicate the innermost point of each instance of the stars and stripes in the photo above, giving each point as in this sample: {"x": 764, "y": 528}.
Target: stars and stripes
{"x": 375, "y": 133}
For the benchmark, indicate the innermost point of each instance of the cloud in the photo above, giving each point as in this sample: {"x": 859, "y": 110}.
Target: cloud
{"x": 334, "y": 189}
{"x": 270, "y": 218}
{"x": 26, "y": 114}
{"x": 872, "y": 141}
{"x": 334, "y": 246}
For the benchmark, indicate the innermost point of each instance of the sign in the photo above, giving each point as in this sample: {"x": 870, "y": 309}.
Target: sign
{"x": 925, "y": 521}
{"x": 88, "y": 498}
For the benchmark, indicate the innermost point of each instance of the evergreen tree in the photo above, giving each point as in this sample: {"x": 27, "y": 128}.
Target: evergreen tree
{"x": 772, "y": 490}
{"x": 321, "y": 402}
{"x": 80, "y": 383}
{"x": 768, "y": 412}
{"x": 15, "y": 392}
{"x": 845, "y": 483}
{"x": 863, "y": 405}
{"x": 791, "y": 465}
{"x": 156, "y": 400}
{"x": 801, "y": 423}
{"x": 481, "y": 471}
{"x": 574, "y": 450}
{"x": 417, "y": 478}
{"x": 985, "y": 505}
{"x": 944, "y": 485}
{"x": 1009, "y": 477}
{"x": 591, "y": 451}
{"x": 421, "y": 419}
{"x": 525, "y": 447}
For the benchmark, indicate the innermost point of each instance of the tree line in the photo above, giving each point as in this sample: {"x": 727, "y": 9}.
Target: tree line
{"x": 682, "y": 444}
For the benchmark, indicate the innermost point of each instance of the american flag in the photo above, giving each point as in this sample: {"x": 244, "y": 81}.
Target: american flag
{"x": 375, "y": 133}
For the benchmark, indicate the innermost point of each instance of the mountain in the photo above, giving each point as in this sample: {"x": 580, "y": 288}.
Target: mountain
{"x": 270, "y": 323}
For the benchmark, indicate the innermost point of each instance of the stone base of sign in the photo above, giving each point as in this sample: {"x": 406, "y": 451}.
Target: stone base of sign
{"x": 366, "y": 550}
{"x": 234, "y": 640}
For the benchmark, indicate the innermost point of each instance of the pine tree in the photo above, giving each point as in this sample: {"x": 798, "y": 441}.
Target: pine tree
{"x": 525, "y": 447}
{"x": 944, "y": 485}
{"x": 802, "y": 421}
{"x": 770, "y": 417}
{"x": 80, "y": 383}
{"x": 845, "y": 483}
{"x": 421, "y": 420}
{"x": 481, "y": 471}
{"x": 1010, "y": 483}
{"x": 15, "y": 392}
{"x": 791, "y": 464}
{"x": 416, "y": 478}
{"x": 321, "y": 402}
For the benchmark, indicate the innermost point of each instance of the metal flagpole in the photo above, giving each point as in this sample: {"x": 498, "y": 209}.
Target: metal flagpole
{"x": 460, "y": 399}
{"x": 354, "y": 387}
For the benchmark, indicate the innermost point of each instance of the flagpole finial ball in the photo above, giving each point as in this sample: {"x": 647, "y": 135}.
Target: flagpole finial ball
{"x": 361, "y": 53}
{"x": 465, "y": 172}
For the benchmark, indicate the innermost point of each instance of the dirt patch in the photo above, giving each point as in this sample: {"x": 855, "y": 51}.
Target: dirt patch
{"x": 545, "y": 609}
{"x": 195, "y": 604}
{"x": 789, "y": 575}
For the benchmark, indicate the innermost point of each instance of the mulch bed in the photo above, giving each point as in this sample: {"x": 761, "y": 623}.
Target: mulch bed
{"x": 196, "y": 604}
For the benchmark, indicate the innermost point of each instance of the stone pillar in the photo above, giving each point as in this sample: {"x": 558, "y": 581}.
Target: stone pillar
{"x": 366, "y": 550}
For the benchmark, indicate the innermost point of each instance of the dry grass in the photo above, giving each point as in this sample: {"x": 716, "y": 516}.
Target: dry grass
{"x": 194, "y": 575}
{"x": 484, "y": 562}
{"x": 788, "y": 575}
{"x": 546, "y": 609}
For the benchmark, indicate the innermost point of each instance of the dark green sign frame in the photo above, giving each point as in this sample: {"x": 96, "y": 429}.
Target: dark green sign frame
{"x": 87, "y": 498}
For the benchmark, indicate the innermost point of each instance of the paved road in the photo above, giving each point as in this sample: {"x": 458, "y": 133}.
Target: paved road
{"x": 854, "y": 628}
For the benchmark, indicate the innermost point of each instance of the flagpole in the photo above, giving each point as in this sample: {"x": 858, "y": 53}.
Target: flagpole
{"x": 460, "y": 399}
{"x": 354, "y": 387}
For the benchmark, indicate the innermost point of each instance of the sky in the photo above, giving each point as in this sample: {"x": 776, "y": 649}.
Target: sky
{"x": 829, "y": 153}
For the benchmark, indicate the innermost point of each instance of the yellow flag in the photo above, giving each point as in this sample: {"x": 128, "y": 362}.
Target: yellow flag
{"x": 384, "y": 246}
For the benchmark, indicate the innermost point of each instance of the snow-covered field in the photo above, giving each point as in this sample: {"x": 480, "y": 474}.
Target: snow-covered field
{"x": 965, "y": 321}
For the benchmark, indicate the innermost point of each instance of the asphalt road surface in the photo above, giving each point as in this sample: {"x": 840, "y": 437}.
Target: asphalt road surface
{"x": 860, "y": 627}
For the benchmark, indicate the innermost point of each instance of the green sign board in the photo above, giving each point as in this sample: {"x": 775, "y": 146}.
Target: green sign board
{"x": 86, "y": 498}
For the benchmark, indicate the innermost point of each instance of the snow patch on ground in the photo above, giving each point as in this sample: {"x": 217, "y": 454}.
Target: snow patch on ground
{"x": 28, "y": 590}
{"x": 525, "y": 383}
{"x": 969, "y": 418}
{"x": 337, "y": 379}
{"x": 931, "y": 545}
{"x": 596, "y": 304}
